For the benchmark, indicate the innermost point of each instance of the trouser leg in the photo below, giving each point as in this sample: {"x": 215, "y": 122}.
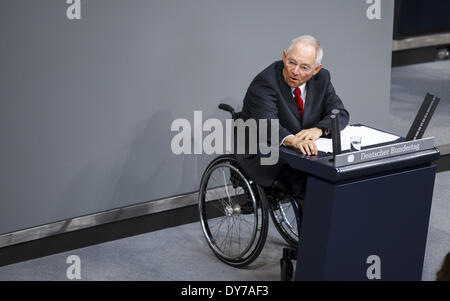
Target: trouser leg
{"x": 297, "y": 181}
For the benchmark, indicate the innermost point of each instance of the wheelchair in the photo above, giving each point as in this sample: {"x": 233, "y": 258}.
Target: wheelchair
{"x": 234, "y": 212}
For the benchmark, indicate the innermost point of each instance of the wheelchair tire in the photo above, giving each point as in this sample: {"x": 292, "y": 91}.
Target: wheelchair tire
{"x": 285, "y": 219}
{"x": 233, "y": 212}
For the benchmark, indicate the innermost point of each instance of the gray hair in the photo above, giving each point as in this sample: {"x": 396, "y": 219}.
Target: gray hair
{"x": 307, "y": 39}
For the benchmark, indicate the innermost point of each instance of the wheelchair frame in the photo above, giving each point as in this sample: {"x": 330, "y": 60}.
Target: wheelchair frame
{"x": 234, "y": 212}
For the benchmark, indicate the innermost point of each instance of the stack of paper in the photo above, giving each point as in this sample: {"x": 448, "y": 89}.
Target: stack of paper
{"x": 368, "y": 136}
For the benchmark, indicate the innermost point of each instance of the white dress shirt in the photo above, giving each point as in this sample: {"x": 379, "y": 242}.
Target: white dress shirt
{"x": 303, "y": 96}
{"x": 303, "y": 93}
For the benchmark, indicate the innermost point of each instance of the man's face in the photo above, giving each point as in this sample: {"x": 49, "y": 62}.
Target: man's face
{"x": 300, "y": 64}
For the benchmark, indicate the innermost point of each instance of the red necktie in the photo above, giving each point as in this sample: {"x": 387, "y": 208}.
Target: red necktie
{"x": 298, "y": 101}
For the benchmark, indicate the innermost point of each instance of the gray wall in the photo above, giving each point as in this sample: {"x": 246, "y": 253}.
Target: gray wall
{"x": 86, "y": 106}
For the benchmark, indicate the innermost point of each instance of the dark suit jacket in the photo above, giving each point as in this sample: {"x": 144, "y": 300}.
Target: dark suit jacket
{"x": 269, "y": 97}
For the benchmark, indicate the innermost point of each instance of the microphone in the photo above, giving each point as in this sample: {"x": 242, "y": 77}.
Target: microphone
{"x": 335, "y": 132}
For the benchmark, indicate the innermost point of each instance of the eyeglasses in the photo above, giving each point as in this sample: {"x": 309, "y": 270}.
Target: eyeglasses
{"x": 293, "y": 64}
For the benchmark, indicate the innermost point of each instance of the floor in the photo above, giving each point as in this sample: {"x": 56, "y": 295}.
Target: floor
{"x": 409, "y": 85}
{"x": 181, "y": 253}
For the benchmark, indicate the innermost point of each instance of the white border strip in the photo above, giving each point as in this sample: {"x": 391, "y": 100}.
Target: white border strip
{"x": 96, "y": 219}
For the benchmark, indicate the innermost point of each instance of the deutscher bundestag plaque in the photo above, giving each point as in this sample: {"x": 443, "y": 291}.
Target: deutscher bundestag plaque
{"x": 385, "y": 151}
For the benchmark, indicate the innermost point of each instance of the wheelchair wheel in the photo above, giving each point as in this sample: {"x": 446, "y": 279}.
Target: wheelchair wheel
{"x": 285, "y": 219}
{"x": 233, "y": 212}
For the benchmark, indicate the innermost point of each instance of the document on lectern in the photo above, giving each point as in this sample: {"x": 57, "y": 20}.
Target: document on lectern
{"x": 369, "y": 136}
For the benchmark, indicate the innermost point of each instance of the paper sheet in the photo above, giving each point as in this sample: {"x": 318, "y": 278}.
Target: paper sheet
{"x": 368, "y": 136}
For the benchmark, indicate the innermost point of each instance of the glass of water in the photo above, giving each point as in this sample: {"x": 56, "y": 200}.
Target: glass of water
{"x": 355, "y": 143}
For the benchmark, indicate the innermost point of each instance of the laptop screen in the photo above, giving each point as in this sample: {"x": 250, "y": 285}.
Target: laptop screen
{"x": 423, "y": 117}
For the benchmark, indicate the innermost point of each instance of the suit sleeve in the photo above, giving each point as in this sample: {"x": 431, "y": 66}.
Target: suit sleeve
{"x": 262, "y": 101}
{"x": 332, "y": 101}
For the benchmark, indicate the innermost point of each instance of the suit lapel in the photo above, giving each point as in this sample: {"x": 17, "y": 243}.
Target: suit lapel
{"x": 291, "y": 102}
{"x": 310, "y": 91}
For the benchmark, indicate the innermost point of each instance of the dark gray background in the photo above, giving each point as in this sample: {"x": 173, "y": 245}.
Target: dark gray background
{"x": 86, "y": 105}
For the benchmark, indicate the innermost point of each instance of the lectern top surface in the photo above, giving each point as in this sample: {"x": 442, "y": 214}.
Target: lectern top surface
{"x": 385, "y": 157}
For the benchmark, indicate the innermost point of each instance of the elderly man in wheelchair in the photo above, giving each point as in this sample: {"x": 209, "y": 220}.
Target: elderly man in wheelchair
{"x": 237, "y": 193}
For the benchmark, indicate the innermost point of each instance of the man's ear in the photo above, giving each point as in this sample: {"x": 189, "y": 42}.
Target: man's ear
{"x": 284, "y": 57}
{"x": 317, "y": 69}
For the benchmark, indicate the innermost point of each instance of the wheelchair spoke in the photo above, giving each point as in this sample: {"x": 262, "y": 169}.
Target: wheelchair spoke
{"x": 285, "y": 220}
{"x": 226, "y": 186}
{"x": 220, "y": 225}
{"x": 231, "y": 213}
{"x": 216, "y": 192}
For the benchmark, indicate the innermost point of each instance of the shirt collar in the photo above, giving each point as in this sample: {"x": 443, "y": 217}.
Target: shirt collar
{"x": 302, "y": 89}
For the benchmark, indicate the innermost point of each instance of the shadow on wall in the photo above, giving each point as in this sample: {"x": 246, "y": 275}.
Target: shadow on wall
{"x": 151, "y": 171}
{"x": 142, "y": 170}
{"x": 204, "y": 160}
{"x": 145, "y": 176}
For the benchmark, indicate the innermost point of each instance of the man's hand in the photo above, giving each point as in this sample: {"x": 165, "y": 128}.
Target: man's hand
{"x": 306, "y": 147}
{"x": 309, "y": 134}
